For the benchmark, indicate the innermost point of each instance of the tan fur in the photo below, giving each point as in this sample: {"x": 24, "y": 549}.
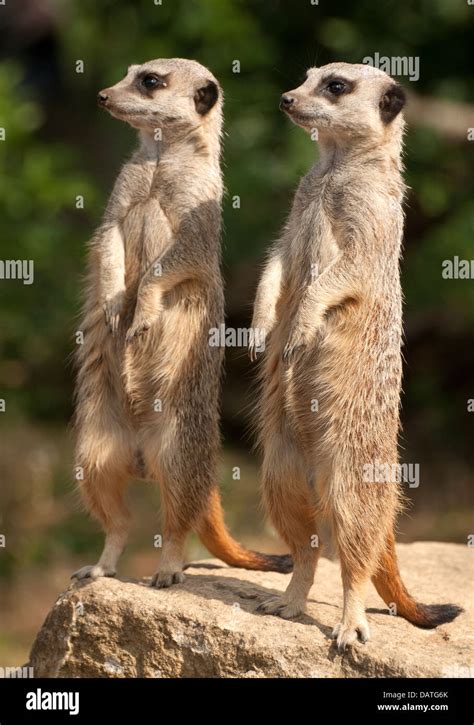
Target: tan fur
{"x": 148, "y": 380}
{"x": 329, "y": 304}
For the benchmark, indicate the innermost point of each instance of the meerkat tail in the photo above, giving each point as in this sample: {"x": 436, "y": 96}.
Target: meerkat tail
{"x": 214, "y": 535}
{"x": 390, "y": 587}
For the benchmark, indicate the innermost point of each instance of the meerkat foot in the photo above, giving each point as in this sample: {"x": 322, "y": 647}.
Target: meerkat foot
{"x": 346, "y": 634}
{"x": 165, "y": 579}
{"x": 93, "y": 571}
{"x": 281, "y": 607}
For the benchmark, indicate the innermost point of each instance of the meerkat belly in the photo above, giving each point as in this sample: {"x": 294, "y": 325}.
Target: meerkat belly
{"x": 176, "y": 364}
{"x": 307, "y": 259}
{"x": 351, "y": 383}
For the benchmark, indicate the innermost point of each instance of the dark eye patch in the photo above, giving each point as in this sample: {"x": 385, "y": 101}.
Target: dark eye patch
{"x": 148, "y": 82}
{"x": 334, "y": 86}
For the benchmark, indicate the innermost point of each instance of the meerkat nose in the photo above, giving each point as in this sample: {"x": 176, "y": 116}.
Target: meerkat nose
{"x": 102, "y": 98}
{"x": 286, "y": 102}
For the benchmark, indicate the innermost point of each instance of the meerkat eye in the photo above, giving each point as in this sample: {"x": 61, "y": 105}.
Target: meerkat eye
{"x": 336, "y": 87}
{"x": 151, "y": 81}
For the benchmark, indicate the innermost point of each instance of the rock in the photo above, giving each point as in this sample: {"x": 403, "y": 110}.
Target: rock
{"x": 207, "y": 627}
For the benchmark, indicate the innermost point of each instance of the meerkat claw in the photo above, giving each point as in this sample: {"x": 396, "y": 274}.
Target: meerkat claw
{"x": 111, "y": 320}
{"x": 112, "y": 309}
{"x": 165, "y": 580}
{"x": 291, "y": 353}
{"x": 287, "y": 354}
{"x": 136, "y": 332}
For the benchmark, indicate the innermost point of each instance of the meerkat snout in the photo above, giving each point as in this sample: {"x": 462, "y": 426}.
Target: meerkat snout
{"x": 172, "y": 93}
{"x": 286, "y": 102}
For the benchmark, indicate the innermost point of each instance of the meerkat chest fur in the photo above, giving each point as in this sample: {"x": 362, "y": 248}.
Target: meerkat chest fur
{"x": 334, "y": 206}
{"x": 311, "y": 240}
{"x": 143, "y": 223}
{"x": 157, "y": 195}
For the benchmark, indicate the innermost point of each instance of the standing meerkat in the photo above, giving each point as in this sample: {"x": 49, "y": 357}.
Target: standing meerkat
{"x": 147, "y": 399}
{"x": 330, "y": 306}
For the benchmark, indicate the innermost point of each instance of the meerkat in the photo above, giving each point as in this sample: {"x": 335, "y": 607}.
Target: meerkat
{"x": 147, "y": 398}
{"x": 329, "y": 306}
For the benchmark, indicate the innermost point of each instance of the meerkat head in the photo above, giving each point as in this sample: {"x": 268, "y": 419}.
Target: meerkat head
{"x": 350, "y": 102}
{"x": 172, "y": 94}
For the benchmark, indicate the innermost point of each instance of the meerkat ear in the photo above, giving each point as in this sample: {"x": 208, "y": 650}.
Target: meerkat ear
{"x": 391, "y": 103}
{"x": 206, "y": 97}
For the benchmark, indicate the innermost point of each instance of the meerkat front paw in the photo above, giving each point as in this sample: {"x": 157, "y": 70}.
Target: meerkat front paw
{"x": 113, "y": 308}
{"x": 165, "y": 579}
{"x": 93, "y": 571}
{"x": 137, "y": 329}
{"x": 281, "y": 607}
{"x": 293, "y": 349}
{"x": 300, "y": 339}
{"x": 346, "y": 634}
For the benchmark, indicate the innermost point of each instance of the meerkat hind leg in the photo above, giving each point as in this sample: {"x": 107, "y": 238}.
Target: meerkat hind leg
{"x": 354, "y": 624}
{"x": 104, "y": 496}
{"x": 170, "y": 570}
{"x": 287, "y": 499}
{"x": 180, "y": 512}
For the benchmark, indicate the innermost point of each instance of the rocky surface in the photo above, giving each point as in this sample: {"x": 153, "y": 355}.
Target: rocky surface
{"x": 207, "y": 627}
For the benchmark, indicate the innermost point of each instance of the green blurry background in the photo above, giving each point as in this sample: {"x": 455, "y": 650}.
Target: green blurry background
{"x": 58, "y": 145}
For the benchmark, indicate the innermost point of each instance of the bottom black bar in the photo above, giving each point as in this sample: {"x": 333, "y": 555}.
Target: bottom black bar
{"x": 87, "y": 700}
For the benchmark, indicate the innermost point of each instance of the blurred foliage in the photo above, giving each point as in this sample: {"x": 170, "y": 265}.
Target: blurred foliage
{"x": 38, "y": 187}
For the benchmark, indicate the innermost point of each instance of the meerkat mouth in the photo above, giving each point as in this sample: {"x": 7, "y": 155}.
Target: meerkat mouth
{"x": 123, "y": 115}
{"x": 309, "y": 120}
{"x": 302, "y": 118}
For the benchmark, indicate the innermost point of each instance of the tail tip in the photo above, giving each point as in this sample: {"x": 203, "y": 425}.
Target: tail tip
{"x": 282, "y": 563}
{"x": 285, "y": 563}
{"x": 433, "y": 615}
